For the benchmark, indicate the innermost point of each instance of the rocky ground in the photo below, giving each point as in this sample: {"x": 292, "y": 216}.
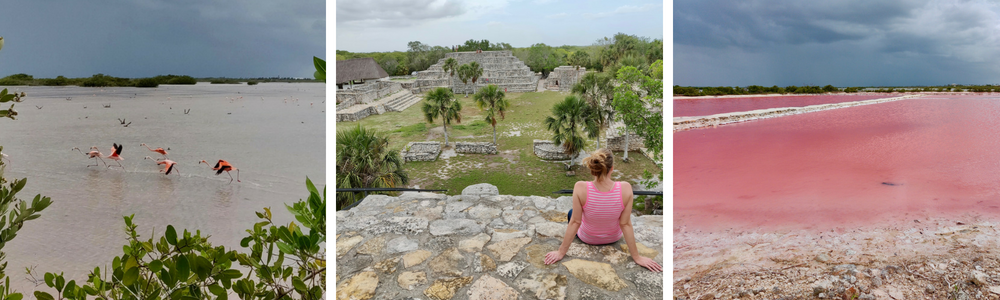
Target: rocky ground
{"x": 918, "y": 259}
{"x": 481, "y": 245}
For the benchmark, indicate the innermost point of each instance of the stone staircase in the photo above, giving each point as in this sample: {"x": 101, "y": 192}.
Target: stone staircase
{"x": 402, "y": 102}
{"x": 395, "y": 102}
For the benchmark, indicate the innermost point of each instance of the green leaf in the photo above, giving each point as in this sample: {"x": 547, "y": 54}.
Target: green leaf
{"x": 43, "y": 296}
{"x": 183, "y": 269}
{"x": 50, "y": 279}
{"x": 171, "y": 235}
{"x": 245, "y": 242}
{"x": 202, "y": 267}
{"x": 60, "y": 283}
{"x": 216, "y": 290}
{"x": 155, "y": 266}
{"x": 232, "y": 273}
{"x": 299, "y": 285}
{"x": 286, "y": 248}
{"x": 311, "y": 187}
{"x": 70, "y": 287}
{"x": 131, "y": 275}
{"x": 15, "y": 296}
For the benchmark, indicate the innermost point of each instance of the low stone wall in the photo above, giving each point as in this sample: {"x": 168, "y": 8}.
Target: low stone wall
{"x": 547, "y": 150}
{"x": 482, "y": 245}
{"x": 476, "y": 148}
{"x": 686, "y": 123}
{"x": 361, "y": 114}
{"x": 617, "y": 143}
{"x": 422, "y": 151}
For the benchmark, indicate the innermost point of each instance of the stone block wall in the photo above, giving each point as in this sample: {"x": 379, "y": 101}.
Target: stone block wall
{"x": 500, "y": 68}
{"x": 366, "y": 93}
{"x": 421, "y": 151}
{"x": 564, "y": 77}
{"x": 361, "y": 114}
{"x": 617, "y": 143}
{"x": 476, "y": 148}
{"x": 547, "y": 150}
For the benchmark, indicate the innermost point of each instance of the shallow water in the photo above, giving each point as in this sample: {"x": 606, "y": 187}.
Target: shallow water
{"x": 936, "y": 156}
{"x": 274, "y": 139}
{"x": 704, "y": 106}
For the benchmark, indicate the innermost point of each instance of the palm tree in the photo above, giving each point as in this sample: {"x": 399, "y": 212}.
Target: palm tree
{"x": 364, "y": 160}
{"x": 475, "y": 70}
{"x": 491, "y": 99}
{"x": 464, "y": 74}
{"x": 597, "y": 90}
{"x": 568, "y": 118}
{"x": 450, "y": 65}
{"x": 441, "y": 103}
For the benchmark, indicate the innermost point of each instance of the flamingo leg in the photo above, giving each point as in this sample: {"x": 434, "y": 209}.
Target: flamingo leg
{"x": 231, "y": 177}
{"x": 102, "y": 160}
{"x": 237, "y": 175}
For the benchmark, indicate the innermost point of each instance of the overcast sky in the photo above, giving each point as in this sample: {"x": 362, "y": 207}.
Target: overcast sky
{"x": 141, "y": 38}
{"x": 843, "y": 43}
{"x": 387, "y": 25}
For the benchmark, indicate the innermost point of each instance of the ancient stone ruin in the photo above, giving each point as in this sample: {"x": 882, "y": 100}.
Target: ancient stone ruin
{"x": 500, "y": 68}
{"x": 563, "y": 78}
{"x": 547, "y": 150}
{"x": 421, "y": 151}
{"x": 476, "y": 148}
{"x": 483, "y": 245}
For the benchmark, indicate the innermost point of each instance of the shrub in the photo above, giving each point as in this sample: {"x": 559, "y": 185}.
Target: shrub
{"x": 146, "y": 82}
{"x": 251, "y": 83}
{"x": 182, "y": 80}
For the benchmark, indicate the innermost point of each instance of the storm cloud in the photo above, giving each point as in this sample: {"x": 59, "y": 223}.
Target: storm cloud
{"x": 231, "y": 38}
{"x": 844, "y": 43}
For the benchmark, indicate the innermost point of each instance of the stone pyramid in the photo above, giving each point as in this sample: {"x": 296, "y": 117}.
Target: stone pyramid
{"x": 500, "y": 68}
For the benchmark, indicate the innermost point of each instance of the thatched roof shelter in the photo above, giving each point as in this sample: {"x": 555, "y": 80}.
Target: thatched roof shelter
{"x": 359, "y": 69}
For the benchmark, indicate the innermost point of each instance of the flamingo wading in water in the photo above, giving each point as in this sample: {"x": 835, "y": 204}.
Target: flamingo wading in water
{"x": 168, "y": 165}
{"x": 157, "y": 150}
{"x": 94, "y": 153}
{"x": 223, "y": 165}
{"x": 116, "y": 155}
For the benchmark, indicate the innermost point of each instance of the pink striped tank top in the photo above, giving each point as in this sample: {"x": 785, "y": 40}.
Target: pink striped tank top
{"x": 600, "y": 215}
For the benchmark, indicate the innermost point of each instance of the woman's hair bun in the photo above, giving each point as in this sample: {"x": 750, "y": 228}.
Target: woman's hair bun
{"x": 599, "y": 162}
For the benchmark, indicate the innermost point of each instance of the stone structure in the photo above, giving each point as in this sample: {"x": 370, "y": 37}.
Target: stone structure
{"x": 475, "y": 148}
{"x": 480, "y": 244}
{"x": 366, "y": 93}
{"x": 564, "y": 77}
{"x": 399, "y": 101}
{"x": 421, "y": 151}
{"x": 686, "y": 123}
{"x": 547, "y": 150}
{"x": 617, "y": 143}
{"x": 500, "y": 68}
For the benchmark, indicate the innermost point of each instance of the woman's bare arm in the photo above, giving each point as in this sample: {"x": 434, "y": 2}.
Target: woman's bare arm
{"x": 625, "y": 223}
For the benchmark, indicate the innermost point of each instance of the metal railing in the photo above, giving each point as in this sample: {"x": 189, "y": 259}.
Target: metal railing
{"x": 637, "y": 193}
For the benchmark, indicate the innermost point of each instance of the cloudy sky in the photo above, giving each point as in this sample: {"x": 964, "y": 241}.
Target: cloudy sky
{"x": 232, "y": 38}
{"x": 387, "y": 25}
{"x": 843, "y": 43}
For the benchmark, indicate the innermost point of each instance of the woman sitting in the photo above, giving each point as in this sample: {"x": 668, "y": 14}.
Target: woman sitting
{"x": 604, "y": 212}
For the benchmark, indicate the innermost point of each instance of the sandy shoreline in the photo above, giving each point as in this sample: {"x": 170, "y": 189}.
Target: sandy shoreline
{"x": 926, "y": 258}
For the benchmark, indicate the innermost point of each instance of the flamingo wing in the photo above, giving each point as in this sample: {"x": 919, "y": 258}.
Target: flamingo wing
{"x": 170, "y": 167}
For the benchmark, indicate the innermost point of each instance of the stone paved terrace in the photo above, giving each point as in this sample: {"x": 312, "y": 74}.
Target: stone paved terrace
{"x": 481, "y": 245}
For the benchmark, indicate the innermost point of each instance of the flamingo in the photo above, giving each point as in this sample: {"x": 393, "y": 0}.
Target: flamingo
{"x": 115, "y": 155}
{"x": 157, "y": 150}
{"x": 223, "y": 165}
{"x": 168, "y": 165}
{"x": 94, "y": 153}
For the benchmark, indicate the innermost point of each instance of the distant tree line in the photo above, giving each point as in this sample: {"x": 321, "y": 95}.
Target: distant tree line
{"x": 612, "y": 53}
{"x": 101, "y": 80}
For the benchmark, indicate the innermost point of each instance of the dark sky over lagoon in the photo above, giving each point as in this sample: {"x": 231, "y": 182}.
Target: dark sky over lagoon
{"x": 245, "y": 38}
{"x": 843, "y": 43}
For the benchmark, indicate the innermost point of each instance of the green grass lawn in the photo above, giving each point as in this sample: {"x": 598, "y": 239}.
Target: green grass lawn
{"x": 515, "y": 170}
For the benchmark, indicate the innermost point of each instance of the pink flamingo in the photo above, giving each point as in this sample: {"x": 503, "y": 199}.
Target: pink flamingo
{"x": 94, "y": 153}
{"x": 157, "y": 150}
{"x": 168, "y": 165}
{"x": 116, "y": 155}
{"x": 223, "y": 165}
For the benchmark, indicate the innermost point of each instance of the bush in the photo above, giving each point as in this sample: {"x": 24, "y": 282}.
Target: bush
{"x": 251, "y": 83}
{"x": 58, "y": 81}
{"x": 182, "y": 80}
{"x": 147, "y": 82}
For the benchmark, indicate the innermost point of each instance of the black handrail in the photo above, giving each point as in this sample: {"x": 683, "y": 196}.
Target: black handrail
{"x": 638, "y": 193}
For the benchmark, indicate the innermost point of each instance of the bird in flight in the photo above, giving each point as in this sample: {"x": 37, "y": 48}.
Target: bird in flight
{"x": 157, "y": 150}
{"x": 223, "y": 165}
{"x": 116, "y": 155}
{"x": 94, "y": 153}
{"x": 168, "y": 165}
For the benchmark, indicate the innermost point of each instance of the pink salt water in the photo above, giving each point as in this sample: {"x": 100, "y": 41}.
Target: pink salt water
{"x": 935, "y": 156}
{"x": 703, "y": 106}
